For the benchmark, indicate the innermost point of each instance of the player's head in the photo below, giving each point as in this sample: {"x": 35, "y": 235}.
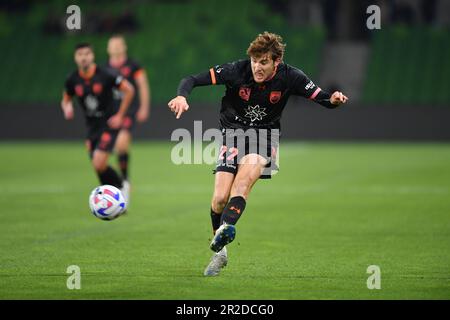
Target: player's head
{"x": 265, "y": 52}
{"x": 84, "y": 55}
{"x": 117, "y": 46}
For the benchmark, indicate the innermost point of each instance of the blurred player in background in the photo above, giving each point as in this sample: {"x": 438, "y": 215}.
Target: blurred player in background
{"x": 139, "y": 110}
{"x": 257, "y": 90}
{"x": 93, "y": 88}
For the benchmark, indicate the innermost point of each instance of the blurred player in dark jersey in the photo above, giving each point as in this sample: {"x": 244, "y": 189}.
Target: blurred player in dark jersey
{"x": 92, "y": 86}
{"x": 257, "y": 90}
{"x": 139, "y": 110}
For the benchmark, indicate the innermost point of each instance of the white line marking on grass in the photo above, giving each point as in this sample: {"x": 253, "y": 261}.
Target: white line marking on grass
{"x": 287, "y": 189}
{"x": 173, "y": 189}
{"x": 42, "y": 189}
{"x": 398, "y": 190}
{"x": 368, "y": 190}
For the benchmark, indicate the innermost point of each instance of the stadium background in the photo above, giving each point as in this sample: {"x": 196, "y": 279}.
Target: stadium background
{"x": 397, "y": 77}
{"x": 398, "y": 81}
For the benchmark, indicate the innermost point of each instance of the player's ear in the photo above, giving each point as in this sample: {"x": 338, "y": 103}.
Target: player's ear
{"x": 277, "y": 62}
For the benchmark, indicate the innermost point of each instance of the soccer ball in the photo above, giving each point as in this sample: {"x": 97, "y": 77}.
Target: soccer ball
{"x": 107, "y": 202}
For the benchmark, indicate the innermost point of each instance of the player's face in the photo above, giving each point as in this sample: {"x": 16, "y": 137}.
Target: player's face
{"x": 116, "y": 47}
{"x": 84, "y": 57}
{"x": 263, "y": 67}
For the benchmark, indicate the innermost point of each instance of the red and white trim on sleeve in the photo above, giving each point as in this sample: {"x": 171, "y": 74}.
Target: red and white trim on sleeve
{"x": 213, "y": 76}
{"x": 315, "y": 93}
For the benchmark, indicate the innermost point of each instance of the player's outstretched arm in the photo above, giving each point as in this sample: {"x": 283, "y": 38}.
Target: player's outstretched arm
{"x": 67, "y": 106}
{"x": 128, "y": 93}
{"x": 144, "y": 97}
{"x": 301, "y": 85}
{"x": 179, "y": 104}
{"x": 327, "y": 100}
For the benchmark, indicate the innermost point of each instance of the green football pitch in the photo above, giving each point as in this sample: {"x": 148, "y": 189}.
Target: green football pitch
{"x": 309, "y": 233}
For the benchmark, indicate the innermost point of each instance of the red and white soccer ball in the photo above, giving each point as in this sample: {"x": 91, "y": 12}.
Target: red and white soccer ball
{"x": 107, "y": 202}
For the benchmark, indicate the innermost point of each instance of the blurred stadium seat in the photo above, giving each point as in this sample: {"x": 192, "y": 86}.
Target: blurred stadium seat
{"x": 409, "y": 66}
{"x": 173, "y": 39}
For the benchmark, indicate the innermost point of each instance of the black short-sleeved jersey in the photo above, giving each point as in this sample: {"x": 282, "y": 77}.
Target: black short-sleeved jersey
{"x": 248, "y": 104}
{"x": 130, "y": 70}
{"x": 94, "y": 94}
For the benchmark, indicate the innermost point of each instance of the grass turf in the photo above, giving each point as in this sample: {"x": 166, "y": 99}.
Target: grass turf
{"x": 309, "y": 233}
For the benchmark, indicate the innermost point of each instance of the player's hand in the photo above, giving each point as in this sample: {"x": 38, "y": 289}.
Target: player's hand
{"x": 178, "y": 105}
{"x": 338, "y": 98}
{"x": 115, "y": 122}
{"x": 142, "y": 115}
{"x": 68, "y": 114}
{"x": 68, "y": 111}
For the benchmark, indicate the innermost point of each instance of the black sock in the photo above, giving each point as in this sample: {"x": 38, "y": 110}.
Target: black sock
{"x": 233, "y": 210}
{"x": 215, "y": 220}
{"x": 123, "y": 164}
{"x": 109, "y": 176}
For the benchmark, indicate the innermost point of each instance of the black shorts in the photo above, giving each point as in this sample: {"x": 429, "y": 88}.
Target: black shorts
{"x": 129, "y": 120}
{"x": 236, "y": 143}
{"x": 101, "y": 139}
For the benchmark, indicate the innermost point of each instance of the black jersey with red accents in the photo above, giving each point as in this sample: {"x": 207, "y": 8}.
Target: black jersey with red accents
{"x": 248, "y": 104}
{"x": 130, "y": 70}
{"x": 94, "y": 94}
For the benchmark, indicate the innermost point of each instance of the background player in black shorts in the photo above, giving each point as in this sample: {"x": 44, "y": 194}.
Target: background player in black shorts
{"x": 257, "y": 90}
{"x": 92, "y": 86}
{"x": 139, "y": 110}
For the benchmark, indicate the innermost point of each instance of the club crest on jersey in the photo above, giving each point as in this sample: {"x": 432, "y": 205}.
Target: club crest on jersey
{"x": 125, "y": 71}
{"x": 97, "y": 88}
{"x": 79, "y": 90}
{"x": 275, "y": 96}
{"x": 244, "y": 93}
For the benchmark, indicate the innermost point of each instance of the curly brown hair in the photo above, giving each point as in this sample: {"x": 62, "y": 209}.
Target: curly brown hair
{"x": 267, "y": 42}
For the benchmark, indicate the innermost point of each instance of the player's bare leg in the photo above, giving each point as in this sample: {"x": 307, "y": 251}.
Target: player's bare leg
{"x": 122, "y": 150}
{"x": 122, "y": 147}
{"x": 106, "y": 174}
{"x": 222, "y": 188}
{"x": 250, "y": 169}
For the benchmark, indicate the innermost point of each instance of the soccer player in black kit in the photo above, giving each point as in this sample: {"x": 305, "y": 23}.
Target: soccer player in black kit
{"x": 257, "y": 90}
{"x": 120, "y": 63}
{"x": 93, "y": 88}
